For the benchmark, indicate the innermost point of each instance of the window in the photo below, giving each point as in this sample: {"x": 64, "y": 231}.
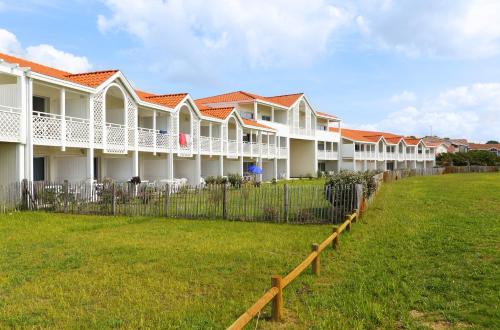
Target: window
{"x": 356, "y": 147}
{"x": 322, "y": 167}
{"x": 40, "y": 104}
{"x": 38, "y": 168}
{"x": 96, "y": 168}
{"x": 266, "y": 118}
{"x": 246, "y": 137}
{"x": 322, "y": 128}
{"x": 246, "y": 115}
{"x": 321, "y": 146}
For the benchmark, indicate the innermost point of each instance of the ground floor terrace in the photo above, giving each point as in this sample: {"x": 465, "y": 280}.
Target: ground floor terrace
{"x": 384, "y": 165}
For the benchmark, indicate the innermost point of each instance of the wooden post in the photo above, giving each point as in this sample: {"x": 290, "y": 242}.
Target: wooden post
{"x": 113, "y": 199}
{"x": 65, "y": 195}
{"x": 24, "y": 194}
{"x": 335, "y": 242}
{"x": 277, "y": 304}
{"x": 348, "y": 217}
{"x": 285, "y": 201}
{"x": 315, "y": 263}
{"x": 224, "y": 202}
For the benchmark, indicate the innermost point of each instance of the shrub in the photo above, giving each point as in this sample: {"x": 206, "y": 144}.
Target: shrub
{"x": 221, "y": 180}
{"x": 474, "y": 157}
{"x": 347, "y": 178}
{"x": 210, "y": 180}
{"x": 235, "y": 180}
{"x": 309, "y": 176}
{"x": 270, "y": 212}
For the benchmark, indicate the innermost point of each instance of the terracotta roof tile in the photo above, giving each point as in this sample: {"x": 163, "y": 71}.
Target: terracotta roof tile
{"x": 166, "y": 100}
{"x": 250, "y": 122}
{"x": 324, "y": 114}
{"x": 241, "y": 96}
{"x": 219, "y": 113}
{"x": 368, "y": 136}
{"x": 481, "y": 146}
{"x": 90, "y": 79}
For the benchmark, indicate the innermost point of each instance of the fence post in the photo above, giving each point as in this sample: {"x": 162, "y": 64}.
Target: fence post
{"x": 277, "y": 304}
{"x": 348, "y": 217}
{"x": 285, "y": 201}
{"x": 315, "y": 263}
{"x": 167, "y": 195}
{"x": 24, "y": 194}
{"x": 335, "y": 242}
{"x": 65, "y": 195}
{"x": 224, "y": 202}
{"x": 113, "y": 199}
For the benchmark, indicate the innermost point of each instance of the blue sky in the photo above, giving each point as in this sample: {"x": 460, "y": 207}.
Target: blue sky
{"x": 402, "y": 66}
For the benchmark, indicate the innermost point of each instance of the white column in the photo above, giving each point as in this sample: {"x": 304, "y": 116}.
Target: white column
{"x": 210, "y": 140}
{"x": 20, "y": 153}
{"x": 259, "y": 164}
{"x": 135, "y": 162}
{"x": 221, "y": 165}
{"x": 197, "y": 166}
{"x": 255, "y": 110}
{"x": 90, "y": 151}
{"x": 251, "y": 146}
{"x": 22, "y": 85}
{"x": 62, "y": 108}
{"x": 275, "y": 168}
{"x": 154, "y": 132}
{"x": 28, "y": 150}
{"x": 242, "y": 170}
{"x": 288, "y": 158}
{"x": 170, "y": 170}
{"x": 272, "y": 114}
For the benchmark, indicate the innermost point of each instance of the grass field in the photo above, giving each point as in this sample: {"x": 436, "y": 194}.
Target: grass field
{"x": 426, "y": 254}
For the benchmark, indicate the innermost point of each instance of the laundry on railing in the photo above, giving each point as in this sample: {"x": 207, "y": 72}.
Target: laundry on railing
{"x": 163, "y": 131}
{"x": 184, "y": 139}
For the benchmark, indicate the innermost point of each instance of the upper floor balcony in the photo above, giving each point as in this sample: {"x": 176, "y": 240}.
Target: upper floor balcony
{"x": 10, "y": 108}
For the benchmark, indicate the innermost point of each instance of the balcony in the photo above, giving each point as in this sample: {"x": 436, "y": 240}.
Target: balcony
{"x": 368, "y": 155}
{"x": 232, "y": 149}
{"x": 10, "y": 124}
{"x": 56, "y": 130}
{"x": 327, "y": 155}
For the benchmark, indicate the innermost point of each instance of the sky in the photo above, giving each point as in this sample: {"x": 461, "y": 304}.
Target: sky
{"x": 408, "y": 67}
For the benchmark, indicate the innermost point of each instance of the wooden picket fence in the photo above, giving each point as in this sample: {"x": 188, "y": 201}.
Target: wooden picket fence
{"x": 299, "y": 204}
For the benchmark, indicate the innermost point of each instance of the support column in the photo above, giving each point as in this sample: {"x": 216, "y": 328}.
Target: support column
{"x": 170, "y": 170}
{"x": 255, "y": 111}
{"x": 275, "y": 167}
{"x": 20, "y": 153}
{"x": 288, "y": 158}
{"x": 90, "y": 164}
{"x": 90, "y": 151}
{"x": 135, "y": 163}
{"x": 154, "y": 132}
{"x": 28, "y": 150}
{"x": 197, "y": 167}
{"x": 221, "y": 165}
{"x": 62, "y": 108}
{"x": 259, "y": 164}
{"x": 242, "y": 170}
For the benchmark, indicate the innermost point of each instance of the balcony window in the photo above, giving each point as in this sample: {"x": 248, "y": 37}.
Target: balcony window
{"x": 322, "y": 128}
{"x": 266, "y": 118}
{"x": 356, "y": 147}
{"x": 40, "y": 104}
{"x": 246, "y": 115}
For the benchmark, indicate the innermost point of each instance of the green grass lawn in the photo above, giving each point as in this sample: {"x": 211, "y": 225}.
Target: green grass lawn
{"x": 426, "y": 254}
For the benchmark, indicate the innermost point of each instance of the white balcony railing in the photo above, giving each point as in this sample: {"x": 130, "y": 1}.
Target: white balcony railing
{"x": 328, "y": 154}
{"x": 232, "y": 148}
{"x": 116, "y": 141}
{"x": 283, "y": 152}
{"x": 10, "y": 124}
{"x": 48, "y": 130}
{"x": 146, "y": 138}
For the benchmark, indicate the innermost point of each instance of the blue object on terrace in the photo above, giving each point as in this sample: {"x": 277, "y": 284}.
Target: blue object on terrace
{"x": 254, "y": 169}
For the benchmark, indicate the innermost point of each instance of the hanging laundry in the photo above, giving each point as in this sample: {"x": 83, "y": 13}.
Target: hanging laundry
{"x": 182, "y": 140}
{"x": 188, "y": 139}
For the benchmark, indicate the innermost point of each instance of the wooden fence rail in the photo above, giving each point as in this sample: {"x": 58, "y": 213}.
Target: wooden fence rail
{"x": 275, "y": 293}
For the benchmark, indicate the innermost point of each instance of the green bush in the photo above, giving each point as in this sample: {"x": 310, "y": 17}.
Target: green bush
{"x": 344, "y": 177}
{"x": 235, "y": 180}
{"x": 475, "y": 157}
{"x": 210, "y": 180}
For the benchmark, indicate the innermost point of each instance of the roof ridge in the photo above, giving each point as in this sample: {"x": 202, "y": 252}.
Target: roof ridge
{"x": 300, "y": 93}
{"x": 91, "y": 72}
{"x": 162, "y": 95}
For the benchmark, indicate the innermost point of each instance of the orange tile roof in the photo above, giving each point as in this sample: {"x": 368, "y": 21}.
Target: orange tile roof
{"x": 481, "y": 146}
{"x": 368, "y": 136}
{"x": 241, "y": 96}
{"x": 219, "y": 113}
{"x": 250, "y": 122}
{"x": 166, "y": 100}
{"x": 90, "y": 79}
{"x": 324, "y": 114}
{"x": 412, "y": 141}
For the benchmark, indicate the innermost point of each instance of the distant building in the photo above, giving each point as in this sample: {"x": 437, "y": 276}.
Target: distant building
{"x": 494, "y": 148}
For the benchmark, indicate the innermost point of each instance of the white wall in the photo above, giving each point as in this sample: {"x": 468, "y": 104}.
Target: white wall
{"x": 153, "y": 168}
{"x": 210, "y": 166}
{"x": 71, "y": 168}
{"x": 118, "y": 169}
{"x": 267, "y": 170}
{"x": 232, "y": 166}
{"x": 302, "y": 157}
{"x": 186, "y": 168}
{"x": 8, "y": 164}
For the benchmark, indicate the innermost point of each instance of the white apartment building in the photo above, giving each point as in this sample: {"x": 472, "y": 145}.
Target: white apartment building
{"x": 56, "y": 125}
{"x": 370, "y": 150}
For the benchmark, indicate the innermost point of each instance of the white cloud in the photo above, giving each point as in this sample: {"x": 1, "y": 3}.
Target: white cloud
{"x": 204, "y": 34}
{"x": 461, "y": 28}
{"x": 51, "y": 56}
{"x": 404, "y": 96}
{"x": 44, "y": 54}
{"x": 472, "y": 112}
{"x": 9, "y": 43}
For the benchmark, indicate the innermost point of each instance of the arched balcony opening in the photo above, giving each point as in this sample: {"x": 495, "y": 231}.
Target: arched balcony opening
{"x": 115, "y": 106}
{"x": 232, "y": 129}
{"x": 185, "y": 120}
{"x": 302, "y": 115}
